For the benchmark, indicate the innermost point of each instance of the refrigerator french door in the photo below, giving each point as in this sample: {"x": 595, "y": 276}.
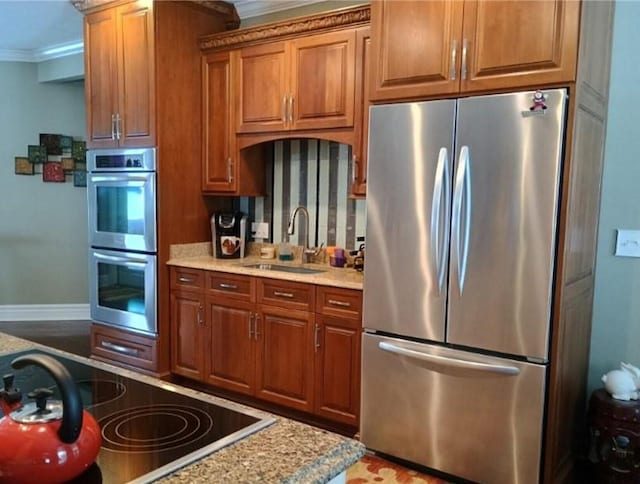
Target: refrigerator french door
{"x": 462, "y": 207}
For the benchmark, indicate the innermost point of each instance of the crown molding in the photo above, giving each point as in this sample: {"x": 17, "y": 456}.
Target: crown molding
{"x": 326, "y": 21}
{"x": 44, "y": 54}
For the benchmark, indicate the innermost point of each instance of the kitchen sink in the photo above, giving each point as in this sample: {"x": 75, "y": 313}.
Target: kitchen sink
{"x": 278, "y": 267}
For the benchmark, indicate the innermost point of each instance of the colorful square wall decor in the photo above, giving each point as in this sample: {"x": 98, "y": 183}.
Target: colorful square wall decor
{"x": 37, "y": 153}
{"x": 53, "y": 172}
{"x": 52, "y": 143}
{"x": 78, "y": 150}
{"x": 24, "y": 166}
{"x": 68, "y": 164}
{"x": 79, "y": 178}
{"x": 66, "y": 143}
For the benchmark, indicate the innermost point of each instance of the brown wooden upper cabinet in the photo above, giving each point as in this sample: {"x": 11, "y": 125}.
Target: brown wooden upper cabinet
{"x": 218, "y": 144}
{"x": 422, "y": 49}
{"x": 300, "y": 84}
{"x": 119, "y": 77}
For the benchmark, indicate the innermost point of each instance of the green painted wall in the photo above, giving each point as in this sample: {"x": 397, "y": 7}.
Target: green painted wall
{"x": 43, "y": 226}
{"x": 616, "y": 313}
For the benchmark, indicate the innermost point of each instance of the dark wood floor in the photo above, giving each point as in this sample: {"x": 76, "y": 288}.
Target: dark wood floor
{"x": 71, "y": 336}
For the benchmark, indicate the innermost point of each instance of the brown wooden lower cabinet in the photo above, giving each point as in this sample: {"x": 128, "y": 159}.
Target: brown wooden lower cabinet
{"x": 337, "y": 375}
{"x": 262, "y": 337}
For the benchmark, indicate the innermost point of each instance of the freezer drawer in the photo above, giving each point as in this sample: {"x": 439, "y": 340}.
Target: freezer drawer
{"x": 473, "y": 416}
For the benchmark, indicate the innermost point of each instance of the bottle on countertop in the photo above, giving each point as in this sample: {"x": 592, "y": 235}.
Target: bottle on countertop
{"x": 284, "y": 251}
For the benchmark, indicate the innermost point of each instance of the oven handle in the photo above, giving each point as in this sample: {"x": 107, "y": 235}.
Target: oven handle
{"x": 126, "y": 262}
{"x": 128, "y": 177}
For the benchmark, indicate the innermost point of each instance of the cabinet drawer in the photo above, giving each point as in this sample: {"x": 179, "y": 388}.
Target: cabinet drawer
{"x": 345, "y": 303}
{"x": 187, "y": 279}
{"x": 234, "y": 286}
{"x": 121, "y": 346}
{"x": 291, "y": 295}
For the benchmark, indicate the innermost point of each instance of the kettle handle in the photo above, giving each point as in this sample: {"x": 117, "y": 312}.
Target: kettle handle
{"x": 71, "y": 402}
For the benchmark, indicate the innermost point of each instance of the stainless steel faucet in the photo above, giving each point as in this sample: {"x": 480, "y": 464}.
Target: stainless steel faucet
{"x": 309, "y": 253}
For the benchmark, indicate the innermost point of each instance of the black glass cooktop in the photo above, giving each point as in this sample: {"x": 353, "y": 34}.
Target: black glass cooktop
{"x": 147, "y": 431}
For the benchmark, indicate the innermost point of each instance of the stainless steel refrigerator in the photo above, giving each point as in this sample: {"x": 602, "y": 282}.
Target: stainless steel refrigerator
{"x": 462, "y": 212}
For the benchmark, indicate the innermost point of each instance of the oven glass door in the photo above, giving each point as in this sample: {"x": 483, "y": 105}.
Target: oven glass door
{"x": 122, "y": 210}
{"x": 122, "y": 289}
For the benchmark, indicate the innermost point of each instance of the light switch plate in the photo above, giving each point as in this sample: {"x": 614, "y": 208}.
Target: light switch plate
{"x": 260, "y": 230}
{"x": 628, "y": 243}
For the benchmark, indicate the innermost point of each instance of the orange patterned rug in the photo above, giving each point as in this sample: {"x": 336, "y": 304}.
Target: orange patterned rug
{"x": 372, "y": 469}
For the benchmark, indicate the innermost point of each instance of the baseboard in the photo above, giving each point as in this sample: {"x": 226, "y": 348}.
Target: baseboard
{"x": 43, "y": 312}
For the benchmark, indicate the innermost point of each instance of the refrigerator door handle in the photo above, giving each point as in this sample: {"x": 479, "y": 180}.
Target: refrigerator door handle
{"x": 440, "y": 250}
{"x": 462, "y": 193}
{"x": 450, "y": 362}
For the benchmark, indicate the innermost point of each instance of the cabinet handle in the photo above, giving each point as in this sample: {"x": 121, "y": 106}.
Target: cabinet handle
{"x": 200, "y": 320}
{"x": 118, "y": 126}
{"x": 252, "y": 318}
{"x": 113, "y": 126}
{"x": 316, "y": 338}
{"x": 354, "y": 170}
{"x": 290, "y": 109}
{"x": 119, "y": 349}
{"x": 230, "y": 169}
{"x": 186, "y": 280}
{"x": 464, "y": 59}
{"x": 454, "y": 51}
{"x": 284, "y": 109}
{"x": 283, "y": 294}
{"x": 256, "y": 333}
{"x": 339, "y": 303}
{"x": 223, "y": 285}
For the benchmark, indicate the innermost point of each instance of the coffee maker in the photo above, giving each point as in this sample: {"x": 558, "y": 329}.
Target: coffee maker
{"x": 228, "y": 233}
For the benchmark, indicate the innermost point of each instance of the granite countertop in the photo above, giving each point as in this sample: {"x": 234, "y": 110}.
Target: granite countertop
{"x": 198, "y": 256}
{"x": 286, "y": 451}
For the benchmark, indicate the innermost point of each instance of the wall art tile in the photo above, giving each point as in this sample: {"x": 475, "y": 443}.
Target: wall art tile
{"x": 53, "y": 172}
{"x": 51, "y": 142}
{"x": 24, "y": 166}
{"x": 37, "y": 153}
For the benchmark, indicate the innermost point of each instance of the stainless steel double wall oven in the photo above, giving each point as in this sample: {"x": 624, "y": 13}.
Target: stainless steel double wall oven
{"x": 121, "y": 191}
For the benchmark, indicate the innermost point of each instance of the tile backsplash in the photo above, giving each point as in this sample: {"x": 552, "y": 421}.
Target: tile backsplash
{"x": 315, "y": 174}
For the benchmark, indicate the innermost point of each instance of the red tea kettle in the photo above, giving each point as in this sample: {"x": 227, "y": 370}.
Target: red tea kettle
{"x": 45, "y": 442}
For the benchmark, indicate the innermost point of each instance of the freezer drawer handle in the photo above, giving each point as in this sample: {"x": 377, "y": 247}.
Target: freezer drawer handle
{"x": 450, "y": 362}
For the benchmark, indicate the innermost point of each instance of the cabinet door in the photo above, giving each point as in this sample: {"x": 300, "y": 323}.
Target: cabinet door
{"x": 187, "y": 322}
{"x": 284, "y": 357}
{"x": 218, "y": 167}
{"x": 322, "y": 81}
{"x": 415, "y": 48}
{"x": 363, "y": 79}
{"x": 229, "y": 347}
{"x": 262, "y": 100}
{"x": 100, "y": 78}
{"x": 524, "y": 43}
{"x": 337, "y": 370}
{"x": 136, "y": 80}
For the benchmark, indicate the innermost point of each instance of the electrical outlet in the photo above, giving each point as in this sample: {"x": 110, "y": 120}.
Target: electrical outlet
{"x": 260, "y": 230}
{"x": 628, "y": 243}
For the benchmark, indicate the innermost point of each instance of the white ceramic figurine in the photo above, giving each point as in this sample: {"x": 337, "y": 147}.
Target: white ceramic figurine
{"x": 623, "y": 384}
